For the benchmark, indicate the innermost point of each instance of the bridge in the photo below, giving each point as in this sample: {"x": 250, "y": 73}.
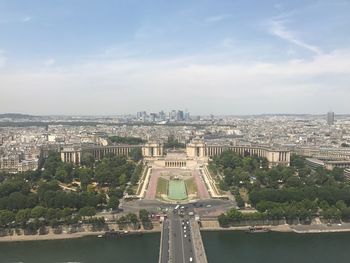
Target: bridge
{"x": 181, "y": 241}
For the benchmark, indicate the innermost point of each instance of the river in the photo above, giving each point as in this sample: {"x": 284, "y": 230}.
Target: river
{"x": 240, "y": 247}
{"x": 221, "y": 247}
{"x": 87, "y": 250}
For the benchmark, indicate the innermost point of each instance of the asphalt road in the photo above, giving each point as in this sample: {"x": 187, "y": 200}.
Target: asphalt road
{"x": 181, "y": 239}
{"x": 165, "y": 243}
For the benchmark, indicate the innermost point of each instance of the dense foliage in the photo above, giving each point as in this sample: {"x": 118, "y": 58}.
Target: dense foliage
{"x": 126, "y": 140}
{"x": 290, "y": 193}
{"x": 62, "y": 193}
{"x": 173, "y": 143}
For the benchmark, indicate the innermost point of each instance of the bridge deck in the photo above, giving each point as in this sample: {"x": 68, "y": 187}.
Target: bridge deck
{"x": 181, "y": 241}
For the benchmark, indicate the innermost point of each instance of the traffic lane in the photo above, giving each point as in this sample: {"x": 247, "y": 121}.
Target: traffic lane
{"x": 177, "y": 244}
{"x": 165, "y": 243}
{"x": 187, "y": 240}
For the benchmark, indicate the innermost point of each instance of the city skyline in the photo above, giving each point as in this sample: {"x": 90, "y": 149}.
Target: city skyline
{"x": 221, "y": 58}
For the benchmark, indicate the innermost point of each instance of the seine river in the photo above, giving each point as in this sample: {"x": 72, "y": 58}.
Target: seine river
{"x": 221, "y": 247}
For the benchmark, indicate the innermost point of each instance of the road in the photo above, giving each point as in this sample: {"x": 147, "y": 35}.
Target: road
{"x": 165, "y": 243}
{"x": 181, "y": 239}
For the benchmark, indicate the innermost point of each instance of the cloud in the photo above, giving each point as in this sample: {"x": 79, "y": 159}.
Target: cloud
{"x": 277, "y": 28}
{"x": 3, "y": 58}
{"x": 49, "y": 62}
{"x": 217, "y": 18}
{"x": 128, "y": 85}
{"x": 228, "y": 43}
{"x": 26, "y": 19}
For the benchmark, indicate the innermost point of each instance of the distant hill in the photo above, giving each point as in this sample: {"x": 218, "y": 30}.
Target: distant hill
{"x": 16, "y": 116}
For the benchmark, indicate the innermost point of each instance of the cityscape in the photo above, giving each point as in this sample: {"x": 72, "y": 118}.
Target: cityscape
{"x": 174, "y": 131}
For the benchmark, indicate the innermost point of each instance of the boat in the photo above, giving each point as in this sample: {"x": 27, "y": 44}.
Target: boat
{"x": 257, "y": 229}
{"x": 100, "y": 236}
{"x": 117, "y": 234}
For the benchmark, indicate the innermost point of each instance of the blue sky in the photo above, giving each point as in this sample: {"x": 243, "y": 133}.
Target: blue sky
{"x": 221, "y": 57}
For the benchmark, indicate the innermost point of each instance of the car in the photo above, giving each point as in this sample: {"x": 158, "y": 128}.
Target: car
{"x": 185, "y": 235}
{"x": 191, "y": 259}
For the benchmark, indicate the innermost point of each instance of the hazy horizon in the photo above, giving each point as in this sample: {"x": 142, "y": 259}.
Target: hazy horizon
{"x": 192, "y": 114}
{"x": 210, "y": 57}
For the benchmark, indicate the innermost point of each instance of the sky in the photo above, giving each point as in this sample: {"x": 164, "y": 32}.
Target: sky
{"x": 104, "y": 57}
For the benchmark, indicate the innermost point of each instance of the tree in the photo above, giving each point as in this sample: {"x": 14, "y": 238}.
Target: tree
{"x": 87, "y": 211}
{"x": 6, "y": 218}
{"x": 144, "y": 218}
{"x": 276, "y": 213}
{"x": 224, "y": 221}
{"x": 62, "y": 175}
{"x": 85, "y": 176}
{"x": 38, "y": 212}
{"x": 122, "y": 222}
{"x": 51, "y": 164}
{"x": 297, "y": 161}
{"x": 126, "y": 140}
{"x": 331, "y": 213}
{"x": 136, "y": 174}
{"x": 88, "y": 159}
{"x": 23, "y": 216}
{"x": 136, "y": 154}
{"x": 173, "y": 143}
{"x": 239, "y": 201}
{"x": 132, "y": 218}
{"x": 113, "y": 203}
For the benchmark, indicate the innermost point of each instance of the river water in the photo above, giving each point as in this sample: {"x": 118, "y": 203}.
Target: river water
{"x": 221, "y": 247}
{"x": 88, "y": 250}
{"x": 240, "y": 247}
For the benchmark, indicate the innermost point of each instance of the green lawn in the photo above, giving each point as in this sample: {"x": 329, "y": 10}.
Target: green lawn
{"x": 191, "y": 187}
{"x": 162, "y": 187}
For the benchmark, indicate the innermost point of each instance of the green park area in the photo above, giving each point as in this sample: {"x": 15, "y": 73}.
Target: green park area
{"x": 162, "y": 187}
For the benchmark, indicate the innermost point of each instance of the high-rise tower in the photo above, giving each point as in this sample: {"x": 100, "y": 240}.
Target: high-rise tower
{"x": 330, "y": 118}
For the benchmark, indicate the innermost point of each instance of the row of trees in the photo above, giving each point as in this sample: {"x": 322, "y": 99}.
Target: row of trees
{"x": 125, "y": 140}
{"x": 134, "y": 221}
{"x": 46, "y": 216}
{"x": 173, "y": 143}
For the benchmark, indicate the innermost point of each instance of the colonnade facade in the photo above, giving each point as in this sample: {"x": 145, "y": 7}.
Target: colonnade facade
{"x": 73, "y": 155}
{"x": 274, "y": 157}
{"x": 324, "y": 154}
{"x": 175, "y": 164}
{"x": 199, "y": 149}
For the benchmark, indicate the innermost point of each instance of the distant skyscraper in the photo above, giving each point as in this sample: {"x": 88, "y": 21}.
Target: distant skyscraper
{"x": 330, "y": 118}
{"x": 180, "y": 115}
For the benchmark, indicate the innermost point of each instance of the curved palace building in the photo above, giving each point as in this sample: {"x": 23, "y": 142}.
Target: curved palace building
{"x": 195, "y": 150}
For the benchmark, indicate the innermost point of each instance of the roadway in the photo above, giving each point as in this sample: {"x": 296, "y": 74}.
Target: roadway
{"x": 164, "y": 255}
{"x": 181, "y": 240}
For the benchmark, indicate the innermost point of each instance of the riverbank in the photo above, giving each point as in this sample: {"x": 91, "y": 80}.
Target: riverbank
{"x": 299, "y": 229}
{"x": 53, "y": 236}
